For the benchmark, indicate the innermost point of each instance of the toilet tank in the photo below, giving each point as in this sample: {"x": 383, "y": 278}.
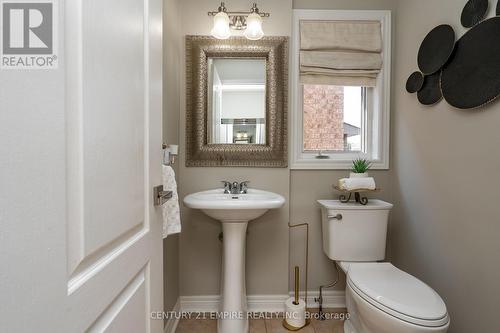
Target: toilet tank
{"x": 358, "y": 234}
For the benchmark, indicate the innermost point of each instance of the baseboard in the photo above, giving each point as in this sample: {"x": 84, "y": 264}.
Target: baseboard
{"x": 173, "y": 321}
{"x": 331, "y": 298}
{"x": 262, "y": 303}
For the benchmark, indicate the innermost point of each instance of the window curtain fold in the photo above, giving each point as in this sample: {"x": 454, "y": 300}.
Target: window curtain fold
{"x": 344, "y": 53}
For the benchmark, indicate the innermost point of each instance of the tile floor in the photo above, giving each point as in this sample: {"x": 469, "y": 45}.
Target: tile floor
{"x": 274, "y": 325}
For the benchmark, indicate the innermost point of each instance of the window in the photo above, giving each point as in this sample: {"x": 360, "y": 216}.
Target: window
{"x": 333, "y": 124}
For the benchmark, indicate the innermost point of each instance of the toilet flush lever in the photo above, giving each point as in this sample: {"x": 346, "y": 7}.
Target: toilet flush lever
{"x": 335, "y": 217}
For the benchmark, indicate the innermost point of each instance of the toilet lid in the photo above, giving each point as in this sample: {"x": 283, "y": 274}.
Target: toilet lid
{"x": 398, "y": 293}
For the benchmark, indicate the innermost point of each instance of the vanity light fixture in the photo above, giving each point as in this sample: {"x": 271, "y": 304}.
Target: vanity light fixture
{"x": 250, "y": 22}
{"x": 221, "y": 24}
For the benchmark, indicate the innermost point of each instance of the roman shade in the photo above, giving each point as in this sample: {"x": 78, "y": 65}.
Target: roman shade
{"x": 343, "y": 53}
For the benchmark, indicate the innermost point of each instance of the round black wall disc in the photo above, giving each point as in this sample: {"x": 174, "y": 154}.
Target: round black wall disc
{"x": 415, "y": 82}
{"x": 436, "y": 49}
{"x": 430, "y": 93}
{"x": 472, "y": 77}
{"x": 474, "y": 12}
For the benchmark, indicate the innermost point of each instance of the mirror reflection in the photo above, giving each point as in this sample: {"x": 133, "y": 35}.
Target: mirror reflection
{"x": 236, "y": 101}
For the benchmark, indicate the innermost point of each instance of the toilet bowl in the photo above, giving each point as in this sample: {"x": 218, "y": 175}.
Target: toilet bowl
{"x": 380, "y": 298}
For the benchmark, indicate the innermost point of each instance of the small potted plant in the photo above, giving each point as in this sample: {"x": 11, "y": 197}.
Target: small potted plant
{"x": 359, "y": 168}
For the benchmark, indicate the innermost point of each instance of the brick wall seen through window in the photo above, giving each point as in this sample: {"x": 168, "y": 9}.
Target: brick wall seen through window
{"x": 332, "y": 118}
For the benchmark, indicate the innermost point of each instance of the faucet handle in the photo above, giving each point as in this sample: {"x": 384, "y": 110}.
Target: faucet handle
{"x": 244, "y": 186}
{"x": 227, "y": 186}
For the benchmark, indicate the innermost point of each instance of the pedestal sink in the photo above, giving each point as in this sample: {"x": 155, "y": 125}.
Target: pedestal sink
{"x": 234, "y": 211}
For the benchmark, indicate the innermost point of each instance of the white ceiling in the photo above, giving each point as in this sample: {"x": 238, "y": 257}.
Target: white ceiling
{"x": 241, "y": 71}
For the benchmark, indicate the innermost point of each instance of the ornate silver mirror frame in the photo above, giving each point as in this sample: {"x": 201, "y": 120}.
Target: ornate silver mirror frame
{"x": 199, "y": 153}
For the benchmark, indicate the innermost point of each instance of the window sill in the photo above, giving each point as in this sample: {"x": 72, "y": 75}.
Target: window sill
{"x": 311, "y": 163}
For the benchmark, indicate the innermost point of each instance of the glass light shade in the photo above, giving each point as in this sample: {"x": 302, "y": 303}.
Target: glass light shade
{"x": 254, "y": 27}
{"x": 221, "y": 26}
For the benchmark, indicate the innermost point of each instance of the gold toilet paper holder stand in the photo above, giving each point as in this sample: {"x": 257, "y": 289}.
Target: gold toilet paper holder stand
{"x": 297, "y": 280}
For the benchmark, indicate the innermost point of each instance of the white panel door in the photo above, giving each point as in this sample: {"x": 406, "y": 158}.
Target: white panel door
{"x": 93, "y": 260}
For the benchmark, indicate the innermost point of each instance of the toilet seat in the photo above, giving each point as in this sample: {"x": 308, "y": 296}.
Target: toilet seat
{"x": 397, "y": 293}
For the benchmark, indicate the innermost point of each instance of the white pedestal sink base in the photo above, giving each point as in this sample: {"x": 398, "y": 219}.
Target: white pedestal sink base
{"x": 233, "y": 307}
{"x": 234, "y": 211}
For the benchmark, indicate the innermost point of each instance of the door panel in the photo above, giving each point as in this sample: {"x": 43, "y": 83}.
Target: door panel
{"x": 80, "y": 239}
{"x": 125, "y": 313}
{"x": 113, "y": 92}
{"x": 102, "y": 287}
{"x": 114, "y": 245}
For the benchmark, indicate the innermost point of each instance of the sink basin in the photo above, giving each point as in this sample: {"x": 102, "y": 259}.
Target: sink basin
{"x": 234, "y": 207}
{"x": 234, "y": 211}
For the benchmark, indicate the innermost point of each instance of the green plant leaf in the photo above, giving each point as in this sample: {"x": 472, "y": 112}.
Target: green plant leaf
{"x": 360, "y": 165}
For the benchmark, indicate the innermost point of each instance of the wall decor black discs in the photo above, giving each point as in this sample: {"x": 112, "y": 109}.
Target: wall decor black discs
{"x": 430, "y": 93}
{"x": 415, "y": 82}
{"x": 436, "y": 49}
{"x": 474, "y": 12}
{"x": 472, "y": 77}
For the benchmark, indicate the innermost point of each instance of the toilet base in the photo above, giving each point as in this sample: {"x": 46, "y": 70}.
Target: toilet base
{"x": 348, "y": 328}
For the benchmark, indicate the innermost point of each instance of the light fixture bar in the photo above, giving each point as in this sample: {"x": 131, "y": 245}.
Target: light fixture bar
{"x": 239, "y": 14}
{"x": 254, "y": 9}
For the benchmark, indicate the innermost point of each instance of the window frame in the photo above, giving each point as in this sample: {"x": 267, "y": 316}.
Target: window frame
{"x": 378, "y": 108}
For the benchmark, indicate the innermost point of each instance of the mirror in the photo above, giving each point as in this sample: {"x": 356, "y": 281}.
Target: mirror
{"x": 236, "y": 110}
{"x": 236, "y": 102}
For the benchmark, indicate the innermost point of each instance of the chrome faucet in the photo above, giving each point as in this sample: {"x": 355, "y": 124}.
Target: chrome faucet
{"x": 235, "y": 187}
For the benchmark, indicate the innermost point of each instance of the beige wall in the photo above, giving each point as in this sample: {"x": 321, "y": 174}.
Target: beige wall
{"x": 267, "y": 242}
{"x": 267, "y": 267}
{"x": 307, "y": 186}
{"x": 445, "y": 226}
{"x": 171, "y": 102}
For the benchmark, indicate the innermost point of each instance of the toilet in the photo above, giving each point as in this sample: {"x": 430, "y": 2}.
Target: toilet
{"x": 380, "y": 298}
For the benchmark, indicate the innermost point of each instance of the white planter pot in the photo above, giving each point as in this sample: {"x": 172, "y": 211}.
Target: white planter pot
{"x": 358, "y": 175}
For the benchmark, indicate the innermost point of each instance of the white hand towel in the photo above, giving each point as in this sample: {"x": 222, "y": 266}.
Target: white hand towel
{"x": 170, "y": 209}
{"x": 352, "y": 184}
